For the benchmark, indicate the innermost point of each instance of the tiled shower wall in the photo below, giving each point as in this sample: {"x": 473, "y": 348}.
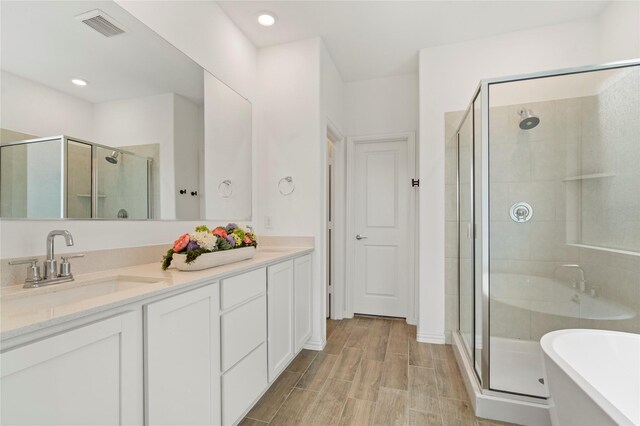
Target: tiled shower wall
{"x": 575, "y": 137}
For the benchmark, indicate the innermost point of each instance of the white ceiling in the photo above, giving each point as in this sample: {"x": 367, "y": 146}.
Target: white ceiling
{"x": 42, "y": 42}
{"x": 370, "y": 39}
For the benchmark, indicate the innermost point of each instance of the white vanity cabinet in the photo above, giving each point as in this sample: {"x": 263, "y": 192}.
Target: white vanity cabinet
{"x": 199, "y": 354}
{"x": 302, "y": 292}
{"x": 243, "y": 342}
{"x": 182, "y": 338}
{"x": 280, "y": 310}
{"x": 289, "y": 312}
{"x": 85, "y": 376}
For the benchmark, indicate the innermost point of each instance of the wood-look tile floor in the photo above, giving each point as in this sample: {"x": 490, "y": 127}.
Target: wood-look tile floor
{"x": 371, "y": 372}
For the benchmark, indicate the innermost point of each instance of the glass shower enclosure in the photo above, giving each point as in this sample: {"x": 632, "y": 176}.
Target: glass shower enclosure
{"x": 547, "y": 171}
{"x": 64, "y": 177}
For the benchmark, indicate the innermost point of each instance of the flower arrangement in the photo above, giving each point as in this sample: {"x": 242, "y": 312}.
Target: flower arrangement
{"x": 203, "y": 240}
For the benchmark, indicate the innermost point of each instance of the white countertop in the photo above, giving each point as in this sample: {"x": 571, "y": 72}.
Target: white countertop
{"x": 22, "y": 310}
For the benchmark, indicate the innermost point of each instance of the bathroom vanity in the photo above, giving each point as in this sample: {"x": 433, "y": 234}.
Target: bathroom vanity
{"x": 139, "y": 345}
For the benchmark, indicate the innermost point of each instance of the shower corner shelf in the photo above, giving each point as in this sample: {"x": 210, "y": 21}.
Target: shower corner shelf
{"x": 89, "y": 195}
{"x": 590, "y": 176}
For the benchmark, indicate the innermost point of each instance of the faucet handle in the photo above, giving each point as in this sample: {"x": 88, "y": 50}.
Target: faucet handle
{"x": 33, "y": 261}
{"x": 33, "y": 271}
{"x": 65, "y": 266}
{"x": 65, "y": 259}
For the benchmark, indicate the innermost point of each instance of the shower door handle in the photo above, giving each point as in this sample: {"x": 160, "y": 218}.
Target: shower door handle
{"x": 360, "y": 237}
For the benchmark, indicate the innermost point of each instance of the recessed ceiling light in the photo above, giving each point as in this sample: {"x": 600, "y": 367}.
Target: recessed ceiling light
{"x": 267, "y": 19}
{"x": 78, "y": 82}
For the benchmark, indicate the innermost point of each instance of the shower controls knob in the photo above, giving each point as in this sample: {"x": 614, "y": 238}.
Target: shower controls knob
{"x": 194, "y": 193}
{"x": 521, "y": 212}
{"x": 183, "y": 191}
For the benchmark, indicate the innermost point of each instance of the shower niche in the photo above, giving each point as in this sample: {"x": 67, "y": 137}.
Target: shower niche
{"x": 65, "y": 177}
{"x": 543, "y": 223}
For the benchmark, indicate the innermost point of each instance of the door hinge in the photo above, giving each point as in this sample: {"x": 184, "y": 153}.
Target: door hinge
{"x": 330, "y": 289}
{"x": 415, "y": 182}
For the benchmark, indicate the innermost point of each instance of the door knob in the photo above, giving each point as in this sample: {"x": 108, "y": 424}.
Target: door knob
{"x": 360, "y": 237}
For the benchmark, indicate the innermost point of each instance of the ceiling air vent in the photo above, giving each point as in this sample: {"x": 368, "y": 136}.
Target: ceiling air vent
{"x": 101, "y": 22}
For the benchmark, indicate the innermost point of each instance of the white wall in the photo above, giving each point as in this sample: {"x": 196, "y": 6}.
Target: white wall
{"x": 449, "y": 75}
{"x": 619, "y": 27}
{"x": 290, "y": 144}
{"x": 207, "y": 35}
{"x": 382, "y": 105}
{"x": 36, "y": 109}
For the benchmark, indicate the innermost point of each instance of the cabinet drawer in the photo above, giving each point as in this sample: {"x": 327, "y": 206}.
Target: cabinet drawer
{"x": 242, "y": 329}
{"x": 242, "y": 385}
{"x": 237, "y": 289}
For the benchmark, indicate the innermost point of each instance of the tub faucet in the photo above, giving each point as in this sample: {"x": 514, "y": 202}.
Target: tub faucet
{"x": 50, "y": 264}
{"x": 581, "y": 284}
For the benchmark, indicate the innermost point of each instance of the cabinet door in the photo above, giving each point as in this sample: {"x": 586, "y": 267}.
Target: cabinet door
{"x": 302, "y": 292}
{"x": 182, "y": 359}
{"x": 87, "y": 376}
{"x": 280, "y": 317}
{"x": 243, "y": 384}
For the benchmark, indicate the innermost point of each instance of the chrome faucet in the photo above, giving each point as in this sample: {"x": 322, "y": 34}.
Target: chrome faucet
{"x": 50, "y": 264}
{"x": 51, "y": 275}
{"x": 581, "y": 284}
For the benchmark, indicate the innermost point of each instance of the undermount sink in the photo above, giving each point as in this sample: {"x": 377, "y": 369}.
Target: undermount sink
{"x": 61, "y": 299}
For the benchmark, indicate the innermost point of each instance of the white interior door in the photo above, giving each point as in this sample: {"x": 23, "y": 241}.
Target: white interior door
{"x": 380, "y": 197}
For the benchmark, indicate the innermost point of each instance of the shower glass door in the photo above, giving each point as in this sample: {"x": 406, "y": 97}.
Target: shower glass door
{"x": 564, "y": 225}
{"x": 32, "y": 179}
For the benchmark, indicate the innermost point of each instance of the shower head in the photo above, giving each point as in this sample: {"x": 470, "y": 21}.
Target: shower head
{"x": 113, "y": 158}
{"x": 527, "y": 119}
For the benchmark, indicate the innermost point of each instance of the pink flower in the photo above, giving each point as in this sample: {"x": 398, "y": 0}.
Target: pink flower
{"x": 247, "y": 240}
{"x": 220, "y": 232}
{"x": 180, "y": 243}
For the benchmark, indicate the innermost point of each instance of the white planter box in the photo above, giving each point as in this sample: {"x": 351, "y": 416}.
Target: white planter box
{"x": 211, "y": 260}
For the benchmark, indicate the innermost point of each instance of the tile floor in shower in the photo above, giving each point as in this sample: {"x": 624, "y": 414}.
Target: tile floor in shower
{"x": 371, "y": 372}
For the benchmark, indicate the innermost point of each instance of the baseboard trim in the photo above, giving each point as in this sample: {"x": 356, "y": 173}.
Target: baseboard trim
{"x": 431, "y": 338}
{"x": 315, "y": 345}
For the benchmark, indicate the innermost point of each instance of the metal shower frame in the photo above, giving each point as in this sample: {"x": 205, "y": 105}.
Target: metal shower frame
{"x": 482, "y": 92}
{"x": 64, "y": 184}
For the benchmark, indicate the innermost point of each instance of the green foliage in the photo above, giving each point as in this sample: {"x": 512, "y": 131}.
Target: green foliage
{"x": 202, "y": 228}
{"x": 166, "y": 260}
{"x": 193, "y": 254}
{"x": 223, "y": 244}
{"x": 240, "y": 233}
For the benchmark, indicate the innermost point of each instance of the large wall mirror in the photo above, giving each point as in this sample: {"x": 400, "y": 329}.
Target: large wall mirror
{"x": 103, "y": 118}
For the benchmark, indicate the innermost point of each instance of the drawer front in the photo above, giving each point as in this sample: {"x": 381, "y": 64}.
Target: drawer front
{"x": 242, "y": 385}
{"x": 242, "y": 330}
{"x": 237, "y": 289}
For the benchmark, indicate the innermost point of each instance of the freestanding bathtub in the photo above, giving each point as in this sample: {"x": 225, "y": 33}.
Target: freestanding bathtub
{"x": 593, "y": 377}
